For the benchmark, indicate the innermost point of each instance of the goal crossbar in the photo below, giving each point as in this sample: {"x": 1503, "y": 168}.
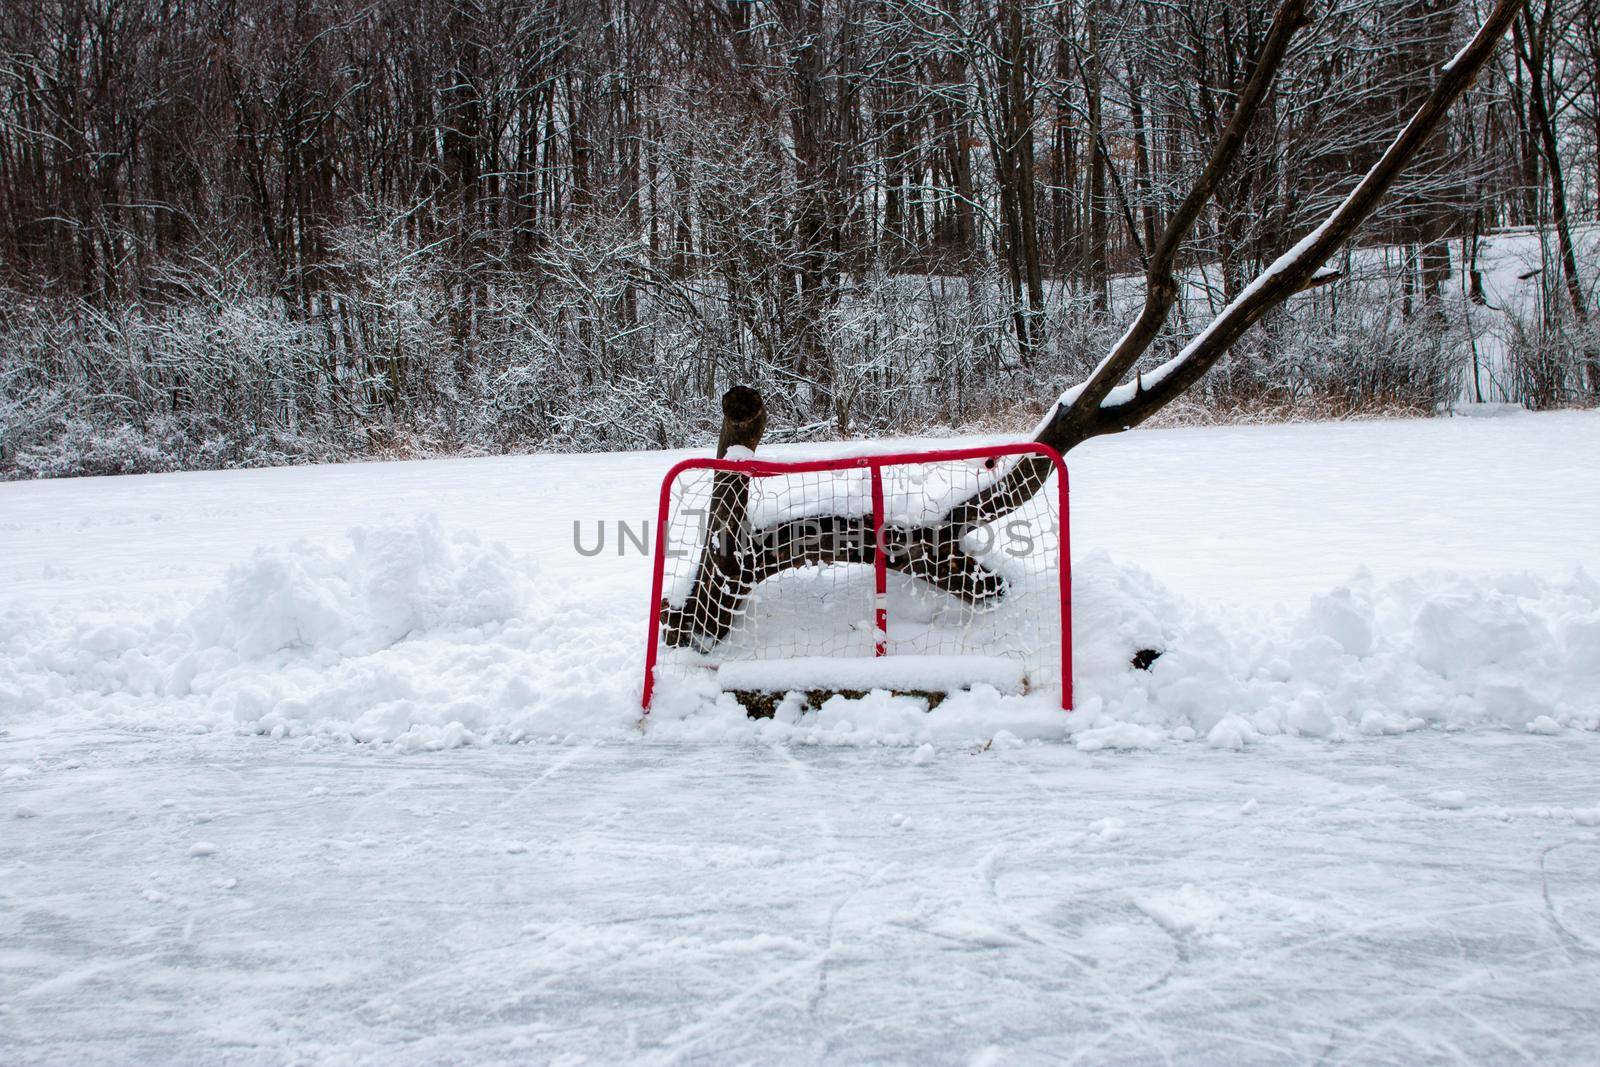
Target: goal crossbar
{"x": 873, "y": 464}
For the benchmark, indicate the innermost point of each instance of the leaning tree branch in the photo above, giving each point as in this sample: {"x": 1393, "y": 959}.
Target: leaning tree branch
{"x": 1160, "y": 288}
{"x": 1161, "y": 283}
{"x": 1093, "y": 408}
{"x": 1098, "y": 406}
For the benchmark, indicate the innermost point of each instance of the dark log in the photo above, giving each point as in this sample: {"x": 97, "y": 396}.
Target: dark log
{"x": 721, "y": 580}
{"x": 763, "y": 703}
{"x": 735, "y": 558}
{"x": 744, "y": 420}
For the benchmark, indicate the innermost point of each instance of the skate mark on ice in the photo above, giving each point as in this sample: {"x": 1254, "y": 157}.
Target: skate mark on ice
{"x": 1132, "y": 1021}
{"x": 549, "y": 772}
{"x": 679, "y": 1044}
{"x": 1573, "y": 941}
{"x": 802, "y": 776}
{"x": 78, "y": 976}
{"x": 1398, "y": 1044}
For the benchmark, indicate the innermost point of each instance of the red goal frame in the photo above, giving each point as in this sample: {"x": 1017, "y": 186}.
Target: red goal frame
{"x": 874, "y": 463}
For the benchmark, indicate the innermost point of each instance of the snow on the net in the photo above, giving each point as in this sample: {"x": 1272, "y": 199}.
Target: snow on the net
{"x": 419, "y": 637}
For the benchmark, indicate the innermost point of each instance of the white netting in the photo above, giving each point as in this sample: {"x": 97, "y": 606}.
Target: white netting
{"x": 780, "y": 567}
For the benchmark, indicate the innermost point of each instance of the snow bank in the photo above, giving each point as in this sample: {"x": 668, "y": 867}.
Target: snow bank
{"x": 421, "y": 638}
{"x": 1441, "y": 649}
{"x": 387, "y": 583}
{"x": 403, "y": 633}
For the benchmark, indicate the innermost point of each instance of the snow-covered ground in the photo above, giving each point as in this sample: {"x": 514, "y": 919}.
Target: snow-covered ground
{"x": 259, "y": 807}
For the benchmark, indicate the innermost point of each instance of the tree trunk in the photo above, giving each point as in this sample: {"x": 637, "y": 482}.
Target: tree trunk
{"x": 1532, "y": 40}
{"x": 1096, "y": 267}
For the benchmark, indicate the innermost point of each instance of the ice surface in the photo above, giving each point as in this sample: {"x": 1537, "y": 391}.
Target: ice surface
{"x": 738, "y": 903}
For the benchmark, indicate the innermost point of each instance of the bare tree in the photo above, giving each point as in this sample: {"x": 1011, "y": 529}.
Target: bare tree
{"x": 1535, "y": 35}
{"x": 485, "y": 223}
{"x": 1100, "y": 405}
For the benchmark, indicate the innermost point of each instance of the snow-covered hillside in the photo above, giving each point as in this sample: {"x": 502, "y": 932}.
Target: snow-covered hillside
{"x": 1348, "y": 817}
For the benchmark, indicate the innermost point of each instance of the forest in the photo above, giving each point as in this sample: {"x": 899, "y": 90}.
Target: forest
{"x": 239, "y": 234}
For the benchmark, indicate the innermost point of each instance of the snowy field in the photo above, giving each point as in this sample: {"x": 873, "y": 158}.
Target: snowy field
{"x": 343, "y": 765}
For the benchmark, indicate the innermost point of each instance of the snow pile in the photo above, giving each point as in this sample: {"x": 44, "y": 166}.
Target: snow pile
{"x": 1442, "y": 649}
{"x": 403, "y": 633}
{"x": 421, "y": 638}
{"x": 1364, "y": 659}
{"x": 387, "y": 583}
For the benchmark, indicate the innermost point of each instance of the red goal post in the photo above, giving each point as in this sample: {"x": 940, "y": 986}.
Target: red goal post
{"x": 758, "y": 472}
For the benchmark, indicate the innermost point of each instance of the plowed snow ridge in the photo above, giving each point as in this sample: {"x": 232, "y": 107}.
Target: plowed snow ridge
{"x": 421, "y": 634}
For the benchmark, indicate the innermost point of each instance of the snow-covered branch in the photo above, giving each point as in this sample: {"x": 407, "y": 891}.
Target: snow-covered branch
{"x": 1097, "y": 407}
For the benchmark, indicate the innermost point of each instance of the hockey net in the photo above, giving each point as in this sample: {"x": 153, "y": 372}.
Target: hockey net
{"x": 770, "y": 575}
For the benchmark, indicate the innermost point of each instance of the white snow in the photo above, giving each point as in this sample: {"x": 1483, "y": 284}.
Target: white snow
{"x": 1381, "y": 643}
{"x": 1298, "y": 581}
{"x": 1124, "y": 735}
{"x": 938, "y": 674}
{"x": 1187, "y": 911}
